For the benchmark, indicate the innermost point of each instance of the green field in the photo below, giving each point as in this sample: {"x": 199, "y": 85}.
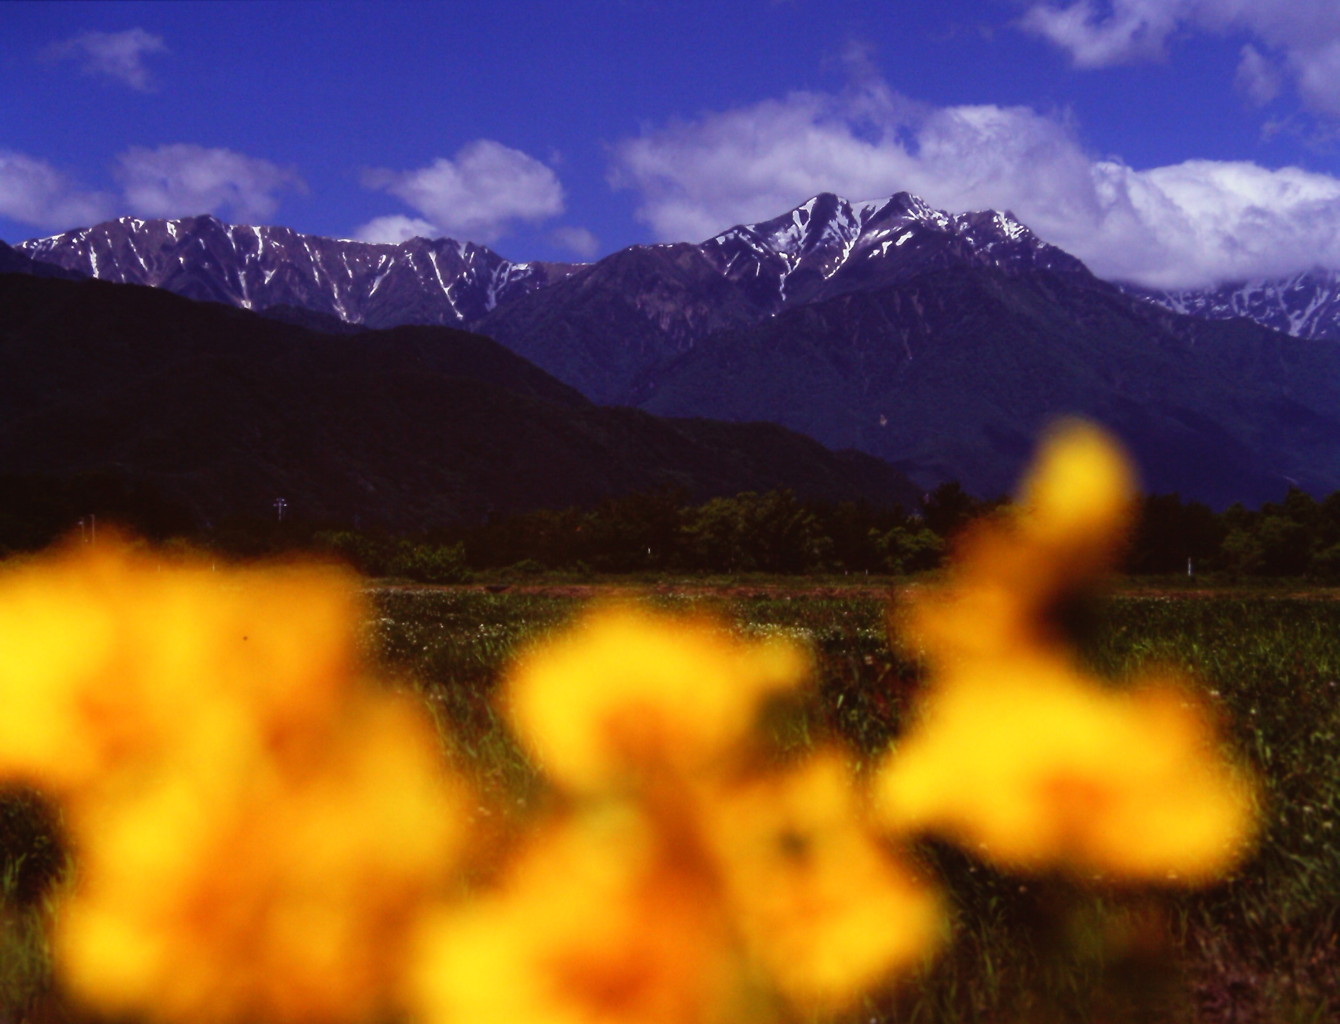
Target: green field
{"x": 1260, "y": 946}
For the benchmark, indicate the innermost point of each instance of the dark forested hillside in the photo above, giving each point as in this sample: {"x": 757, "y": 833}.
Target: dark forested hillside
{"x": 952, "y": 375}
{"x": 192, "y": 412}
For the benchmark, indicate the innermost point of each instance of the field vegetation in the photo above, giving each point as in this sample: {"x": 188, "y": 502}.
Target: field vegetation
{"x": 1260, "y": 946}
{"x": 1079, "y": 923}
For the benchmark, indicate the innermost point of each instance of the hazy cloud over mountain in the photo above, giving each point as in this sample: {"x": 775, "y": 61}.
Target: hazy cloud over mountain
{"x": 179, "y": 180}
{"x": 169, "y": 181}
{"x": 1184, "y": 224}
{"x": 578, "y": 241}
{"x": 33, "y": 192}
{"x": 396, "y": 228}
{"x": 479, "y": 195}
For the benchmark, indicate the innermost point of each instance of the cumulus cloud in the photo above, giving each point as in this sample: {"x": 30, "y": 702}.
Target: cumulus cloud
{"x": 396, "y": 229}
{"x": 34, "y": 192}
{"x": 181, "y": 179}
{"x": 118, "y": 56}
{"x": 578, "y": 241}
{"x": 1183, "y": 225}
{"x": 478, "y": 195}
{"x": 1303, "y": 36}
{"x": 1257, "y": 77}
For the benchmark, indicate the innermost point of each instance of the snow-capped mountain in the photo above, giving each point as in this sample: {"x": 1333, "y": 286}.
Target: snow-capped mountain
{"x": 14, "y": 262}
{"x": 828, "y": 246}
{"x": 940, "y": 342}
{"x": 823, "y": 247}
{"x": 419, "y": 281}
{"x": 609, "y": 327}
{"x": 602, "y": 327}
{"x": 1306, "y": 304}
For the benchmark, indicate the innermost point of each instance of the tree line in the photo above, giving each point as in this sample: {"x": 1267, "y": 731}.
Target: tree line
{"x": 665, "y": 531}
{"x": 776, "y": 532}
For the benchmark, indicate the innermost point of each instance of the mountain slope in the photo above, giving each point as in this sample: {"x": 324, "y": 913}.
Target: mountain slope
{"x": 941, "y": 341}
{"x": 414, "y": 282}
{"x": 606, "y": 328}
{"x": 953, "y": 373}
{"x": 215, "y": 412}
{"x": 609, "y": 328}
{"x": 13, "y": 261}
{"x": 1306, "y": 305}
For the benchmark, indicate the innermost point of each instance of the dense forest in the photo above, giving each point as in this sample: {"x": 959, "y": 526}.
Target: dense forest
{"x": 664, "y": 531}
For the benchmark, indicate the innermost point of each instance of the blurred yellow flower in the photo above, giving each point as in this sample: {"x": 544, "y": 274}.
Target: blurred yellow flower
{"x": 604, "y": 919}
{"x": 1077, "y": 499}
{"x": 820, "y": 903}
{"x": 688, "y": 882}
{"x": 1068, "y": 526}
{"x": 254, "y": 826}
{"x": 626, "y": 692}
{"x": 1016, "y": 752}
{"x": 1048, "y": 770}
{"x": 110, "y": 656}
{"x": 281, "y": 893}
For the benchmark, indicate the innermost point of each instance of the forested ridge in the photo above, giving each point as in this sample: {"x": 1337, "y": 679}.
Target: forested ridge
{"x": 663, "y": 530}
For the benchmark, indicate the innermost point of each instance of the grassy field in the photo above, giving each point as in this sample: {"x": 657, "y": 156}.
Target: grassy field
{"x": 1260, "y": 946}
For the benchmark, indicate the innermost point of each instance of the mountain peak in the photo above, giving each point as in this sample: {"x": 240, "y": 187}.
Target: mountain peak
{"x": 423, "y": 281}
{"x": 825, "y": 246}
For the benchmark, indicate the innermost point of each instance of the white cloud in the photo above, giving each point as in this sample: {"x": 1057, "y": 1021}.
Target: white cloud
{"x": 115, "y": 55}
{"x": 1133, "y": 30}
{"x": 34, "y": 192}
{"x": 480, "y": 194}
{"x": 1257, "y": 77}
{"x": 396, "y": 229}
{"x": 180, "y": 180}
{"x": 576, "y": 240}
{"x": 1182, "y": 225}
{"x": 1302, "y": 35}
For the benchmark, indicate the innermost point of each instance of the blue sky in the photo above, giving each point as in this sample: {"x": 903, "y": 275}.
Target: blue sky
{"x": 1173, "y": 142}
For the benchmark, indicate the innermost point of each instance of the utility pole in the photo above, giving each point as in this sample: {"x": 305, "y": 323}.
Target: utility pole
{"x": 280, "y": 505}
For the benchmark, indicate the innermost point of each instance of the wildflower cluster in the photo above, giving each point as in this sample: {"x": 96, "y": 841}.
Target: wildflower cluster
{"x": 254, "y": 825}
{"x": 1020, "y": 755}
{"x": 264, "y": 833}
{"x": 678, "y": 880}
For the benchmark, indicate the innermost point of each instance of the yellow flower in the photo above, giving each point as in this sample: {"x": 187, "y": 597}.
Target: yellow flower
{"x": 1048, "y": 770}
{"x": 110, "y": 655}
{"x": 282, "y": 892}
{"x": 1077, "y": 500}
{"x": 1068, "y": 526}
{"x": 1018, "y": 754}
{"x": 681, "y": 864}
{"x": 821, "y": 905}
{"x": 601, "y": 920}
{"x": 626, "y": 692}
{"x": 254, "y": 826}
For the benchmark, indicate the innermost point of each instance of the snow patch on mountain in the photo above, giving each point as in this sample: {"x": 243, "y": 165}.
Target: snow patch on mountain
{"x": 826, "y": 246}
{"x": 439, "y": 281}
{"x": 1305, "y": 304}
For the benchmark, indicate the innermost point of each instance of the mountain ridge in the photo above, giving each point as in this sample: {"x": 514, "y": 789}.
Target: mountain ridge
{"x": 1305, "y": 304}
{"x": 420, "y": 281}
{"x": 939, "y": 342}
{"x": 209, "y": 412}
